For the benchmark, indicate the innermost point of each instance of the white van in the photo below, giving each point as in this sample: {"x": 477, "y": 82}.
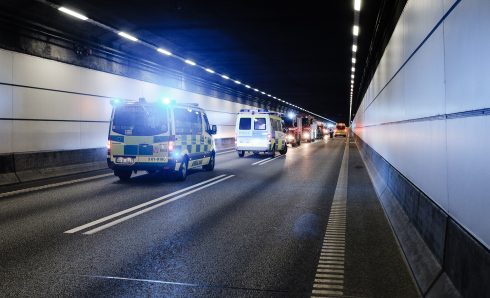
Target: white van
{"x": 260, "y": 131}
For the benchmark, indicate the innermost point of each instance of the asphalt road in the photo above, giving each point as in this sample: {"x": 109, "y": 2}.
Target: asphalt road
{"x": 254, "y": 227}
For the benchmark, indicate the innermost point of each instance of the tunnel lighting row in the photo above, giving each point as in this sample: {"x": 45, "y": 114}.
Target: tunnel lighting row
{"x": 185, "y": 60}
{"x": 355, "y": 33}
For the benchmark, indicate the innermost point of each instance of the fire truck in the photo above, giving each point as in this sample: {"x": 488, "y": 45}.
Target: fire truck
{"x": 292, "y": 124}
{"x": 309, "y": 128}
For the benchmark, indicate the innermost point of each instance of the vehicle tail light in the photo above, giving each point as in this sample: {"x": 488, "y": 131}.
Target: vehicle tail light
{"x": 269, "y": 137}
{"x": 108, "y": 145}
{"x": 170, "y": 146}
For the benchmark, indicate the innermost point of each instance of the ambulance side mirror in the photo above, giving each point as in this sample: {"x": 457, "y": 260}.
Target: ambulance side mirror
{"x": 213, "y": 130}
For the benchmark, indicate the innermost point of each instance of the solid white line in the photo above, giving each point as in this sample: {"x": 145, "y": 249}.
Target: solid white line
{"x": 271, "y": 160}
{"x": 260, "y": 161}
{"x": 95, "y": 222}
{"x": 31, "y": 189}
{"x": 112, "y": 223}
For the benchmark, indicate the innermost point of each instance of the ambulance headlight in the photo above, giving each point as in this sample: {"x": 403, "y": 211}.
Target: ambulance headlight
{"x": 290, "y": 137}
{"x": 306, "y": 135}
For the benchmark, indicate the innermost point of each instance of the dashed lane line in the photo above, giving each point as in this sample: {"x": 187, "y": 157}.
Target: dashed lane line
{"x": 329, "y": 278}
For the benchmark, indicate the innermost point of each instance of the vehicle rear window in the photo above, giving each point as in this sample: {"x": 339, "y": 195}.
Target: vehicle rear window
{"x": 340, "y": 127}
{"x": 245, "y": 124}
{"x": 187, "y": 122}
{"x": 259, "y": 123}
{"x": 140, "y": 120}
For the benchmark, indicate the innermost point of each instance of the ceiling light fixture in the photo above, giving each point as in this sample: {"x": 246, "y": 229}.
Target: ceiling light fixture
{"x": 357, "y": 5}
{"x": 355, "y": 30}
{"x": 127, "y": 36}
{"x": 163, "y": 51}
{"x": 73, "y": 13}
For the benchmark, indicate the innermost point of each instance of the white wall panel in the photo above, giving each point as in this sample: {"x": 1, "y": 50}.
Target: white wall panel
{"x": 5, "y": 136}
{"x": 93, "y": 134}
{"x": 446, "y": 158}
{"x": 5, "y": 101}
{"x": 424, "y": 80}
{"x": 469, "y": 175}
{"x": 45, "y": 135}
{"x": 105, "y": 84}
{"x": 38, "y": 72}
{"x": 31, "y": 103}
{"x": 420, "y": 16}
{"x": 467, "y": 59}
{"x": 6, "y": 60}
{"x": 94, "y": 108}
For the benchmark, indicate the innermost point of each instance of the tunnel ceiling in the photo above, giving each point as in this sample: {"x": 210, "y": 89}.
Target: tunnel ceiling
{"x": 299, "y": 51}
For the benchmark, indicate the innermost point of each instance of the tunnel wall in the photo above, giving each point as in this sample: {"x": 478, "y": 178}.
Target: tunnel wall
{"x": 423, "y": 125}
{"x": 54, "y": 114}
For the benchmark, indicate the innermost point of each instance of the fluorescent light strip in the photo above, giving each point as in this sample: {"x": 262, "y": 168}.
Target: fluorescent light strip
{"x": 357, "y": 5}
{"x": 163, "y": 51}
{"x": 168, "y": 53}
{"x": 353, "y": 60}
{"x": 127, "y": 36}
{"x": 73, "y": 13}
{"x": 355, "y": 30}
{"x": 354, "y": 48}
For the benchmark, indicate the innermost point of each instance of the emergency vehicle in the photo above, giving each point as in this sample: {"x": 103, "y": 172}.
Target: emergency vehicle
{"x": 260, "y": 131}
{"x": 159, "y": 137}
{"x": 309, "y": 128}
{"x": 294, "y": 130}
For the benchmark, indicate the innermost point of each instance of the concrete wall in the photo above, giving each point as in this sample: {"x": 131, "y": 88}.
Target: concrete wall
{"x": 49, "y": 105}
{"x": 410, "y": 112}
{"x": 426, "y": 111}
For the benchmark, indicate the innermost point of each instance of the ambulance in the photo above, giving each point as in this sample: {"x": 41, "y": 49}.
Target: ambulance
{"x": 159, "y": 136}
{"x": 260, "y": 131}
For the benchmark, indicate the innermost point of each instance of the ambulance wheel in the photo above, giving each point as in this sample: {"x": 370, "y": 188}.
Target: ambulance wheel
{"x": 182, "y": 172}
{"x": 210, "y": 165}
{"x": 241, "y": 153}
{"x": 124, "y": 175}
{"x": 284, "y": 150}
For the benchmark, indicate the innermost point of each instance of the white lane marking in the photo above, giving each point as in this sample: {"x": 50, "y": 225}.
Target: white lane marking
{"x": 260, "y": 161}
{"x": 31, "y": 189}
{"x": 95, "y": 222}
{"x": 270, "y": 160}
{"x": 226, "y": 152}
{"x": 117, "y": 221}
{"x": 329, "y": 276}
